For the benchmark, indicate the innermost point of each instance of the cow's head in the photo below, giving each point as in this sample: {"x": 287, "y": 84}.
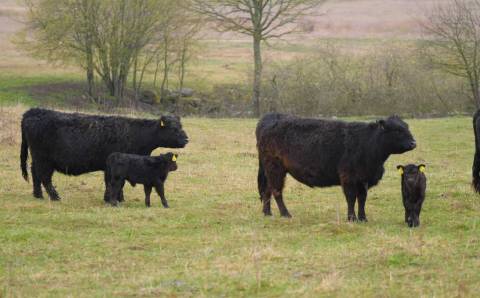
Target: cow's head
{"x": 396, "y": 136}
{"x": 170, "y": 132}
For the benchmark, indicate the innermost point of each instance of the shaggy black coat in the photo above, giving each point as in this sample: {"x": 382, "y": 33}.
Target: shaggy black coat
{"x": 75, "y": 144}
{"x": 414, "y": 184}
{"x": 322, "y": 153}
{"x": 147, "y": 170}
{"x": 476, "y": 159}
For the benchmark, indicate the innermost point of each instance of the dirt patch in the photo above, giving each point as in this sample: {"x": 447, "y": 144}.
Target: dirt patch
{"x": 10, "y": 124}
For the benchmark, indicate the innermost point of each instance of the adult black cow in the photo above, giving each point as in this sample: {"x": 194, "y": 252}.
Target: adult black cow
{"x": 74, "y": 144}
{"x": 322, "y": 153}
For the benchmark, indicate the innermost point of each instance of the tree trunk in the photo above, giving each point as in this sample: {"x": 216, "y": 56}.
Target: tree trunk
{"x": 90, "y": 76}
{"x": 257, "y": 75}
{"x": 165, "y": 70}
{"x": 90, "y": 67}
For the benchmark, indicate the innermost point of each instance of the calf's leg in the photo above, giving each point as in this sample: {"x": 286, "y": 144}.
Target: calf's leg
{"x": 148, "y": 191}
{"x": 161, "y": 193}
{"x": 116, "y": 186}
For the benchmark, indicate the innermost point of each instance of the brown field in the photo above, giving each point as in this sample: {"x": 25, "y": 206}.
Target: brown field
{"x": 344, "y": 19}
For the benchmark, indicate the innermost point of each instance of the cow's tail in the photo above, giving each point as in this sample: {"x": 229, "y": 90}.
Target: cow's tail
{"x": 476, "y": 159}
{"x": 24, "y": 156}
{"x": 261, "y": 179}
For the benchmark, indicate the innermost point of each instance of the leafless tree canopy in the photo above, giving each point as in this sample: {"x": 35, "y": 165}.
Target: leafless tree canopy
{"x": 260, "y": 19}
{"x": 453, "y": 41}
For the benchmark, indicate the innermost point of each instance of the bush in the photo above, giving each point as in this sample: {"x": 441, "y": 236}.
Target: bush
{"x": 386, "y": 80}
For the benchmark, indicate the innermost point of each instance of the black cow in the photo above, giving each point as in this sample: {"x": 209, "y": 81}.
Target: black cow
{"x": 322, "y": 153}
{"x": 476, "y": 159}
{"x": 414, "y": 184}
{"x": 75, "y": 144}
{"x": 147, "y": 170}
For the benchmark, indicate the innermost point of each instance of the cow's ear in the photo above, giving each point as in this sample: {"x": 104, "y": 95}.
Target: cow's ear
{"x": 400, "y": 169}
{"x": 162, "y": 121}
{"x": 421, "y": 168}
{"x": 381, "y": 123}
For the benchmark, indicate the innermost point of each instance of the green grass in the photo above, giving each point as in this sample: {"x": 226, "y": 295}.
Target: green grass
{"x": 214, "y": 240}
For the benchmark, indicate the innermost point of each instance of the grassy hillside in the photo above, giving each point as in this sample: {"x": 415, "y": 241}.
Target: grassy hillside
{"x": 214, "y": 240}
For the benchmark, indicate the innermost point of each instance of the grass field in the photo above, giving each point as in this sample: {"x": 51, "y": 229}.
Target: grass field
{"x": 214, "y": 240}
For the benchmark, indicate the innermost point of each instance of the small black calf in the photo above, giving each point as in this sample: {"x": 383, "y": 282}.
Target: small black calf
{"x": 414, "y": 184}
{"x": 151, "y": 171}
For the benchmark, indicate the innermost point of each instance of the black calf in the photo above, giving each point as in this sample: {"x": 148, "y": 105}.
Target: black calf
{"x": 414, "y": 184}
{"x": 146, "y": 170}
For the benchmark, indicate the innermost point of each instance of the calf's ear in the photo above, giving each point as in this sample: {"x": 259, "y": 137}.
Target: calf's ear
{"x": 421, "y": 168}
{"x": 400, "y": 169}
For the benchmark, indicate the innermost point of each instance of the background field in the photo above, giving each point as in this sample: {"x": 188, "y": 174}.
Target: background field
{"x": 214, "y": 241}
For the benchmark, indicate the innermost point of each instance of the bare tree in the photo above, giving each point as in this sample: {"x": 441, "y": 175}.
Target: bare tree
{"x": 452, "y": 41}
{"x": 260, "y": 19}
{"x": 61, "y": 30}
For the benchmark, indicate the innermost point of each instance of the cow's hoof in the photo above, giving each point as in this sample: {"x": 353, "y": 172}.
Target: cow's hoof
{"x": 362, "y": 219}
{"x": 55, "y": 199}
{"x": 287, "y": 215}
{"x": 352, "y": 218}
{"x": 38, "y": 196}
{"x": 166, "y": 206}
{"x": 267, "y": 213}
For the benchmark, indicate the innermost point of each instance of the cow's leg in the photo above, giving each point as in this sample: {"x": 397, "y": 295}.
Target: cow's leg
{"x": 148, "y": 191}
{"x": 266, "y": 200}
{"x": 350, "y": 192}
{"x": 160, "y": 191}
{"x": 362, "y": 189}
{"x": 45, "y": 172}
{"x": 121, "y": 198}
{"x": 276, "y": 173}
{"x": 106, "y": 179}
{"x": 37, "y": 183}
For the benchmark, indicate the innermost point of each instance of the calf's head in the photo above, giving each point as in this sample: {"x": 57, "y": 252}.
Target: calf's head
{"x": 412, "y": 175}
{"x": 396, "y": 136}
{"x": 164, "y": 162}
{"x": 170, "y": 132}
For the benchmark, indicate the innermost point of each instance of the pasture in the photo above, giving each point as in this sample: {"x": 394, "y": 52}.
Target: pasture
{"x": 214, "y": 240}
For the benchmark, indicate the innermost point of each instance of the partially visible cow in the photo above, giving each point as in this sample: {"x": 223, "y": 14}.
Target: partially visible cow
{"x": 414, "y": 184}
{"x": 476, "y": 159}
{"x": 322, "y": 153}
{"x": 151, "y": 171}
{"x": 75, "y": 144}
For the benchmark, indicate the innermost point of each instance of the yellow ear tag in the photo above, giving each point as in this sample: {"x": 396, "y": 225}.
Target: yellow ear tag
{"x": 400, "y": 171}
{"x": 162, "y": 124}
{"x": 174, "y": 158}
{"x": 422, "y": 169}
